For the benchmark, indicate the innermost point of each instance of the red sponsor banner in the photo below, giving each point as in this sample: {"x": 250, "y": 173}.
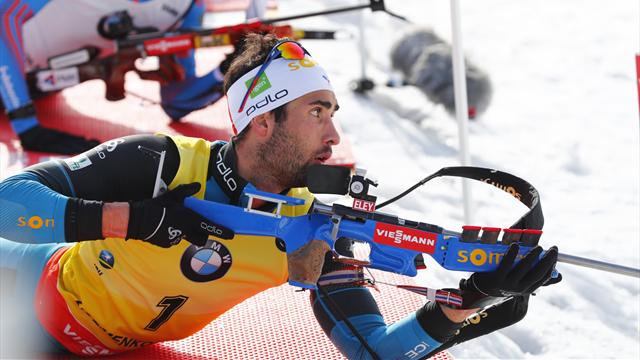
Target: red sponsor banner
{"x": 55, "y": 317}
{"x": 405, "y": 238}
{"x": 364, "y": 205}
{"x": 168, "y": 45}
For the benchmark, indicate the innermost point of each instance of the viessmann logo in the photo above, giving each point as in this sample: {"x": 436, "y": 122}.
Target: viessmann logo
{"x": 405, "y": 238}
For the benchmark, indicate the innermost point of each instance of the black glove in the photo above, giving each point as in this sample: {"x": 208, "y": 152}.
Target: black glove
{"x": 164, "y": 221}
{"x": 39, "y": 138}
{"x": 484, "y": 288}
{"x": 488, "y": 320}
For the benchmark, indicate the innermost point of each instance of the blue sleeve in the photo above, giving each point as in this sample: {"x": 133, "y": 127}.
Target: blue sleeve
{"x": 13, "y": 87}
{"x": 31, "y": 212}
{"x": 48, "y": 202}
{"x": 181, "y": 98}
{"x": 192, "y": 21}
{"x": 405, "y": 339}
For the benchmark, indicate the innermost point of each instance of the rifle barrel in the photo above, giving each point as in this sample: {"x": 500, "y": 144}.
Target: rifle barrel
{"x": 569, "y": 259}
{"x": 599, "y": 265}
{"x": 318, "y": 13}
{"x": 374, "y": 5}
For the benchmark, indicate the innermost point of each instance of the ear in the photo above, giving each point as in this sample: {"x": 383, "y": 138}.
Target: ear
{"x": 263, "y": 124}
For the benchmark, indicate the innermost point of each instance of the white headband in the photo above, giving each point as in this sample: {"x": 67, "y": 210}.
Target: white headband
{"x": 281, "y": 82}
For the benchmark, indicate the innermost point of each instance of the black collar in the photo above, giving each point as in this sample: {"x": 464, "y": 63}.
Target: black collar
{"x": 223, "y": 168}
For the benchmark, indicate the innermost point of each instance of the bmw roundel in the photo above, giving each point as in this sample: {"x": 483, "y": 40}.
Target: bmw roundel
{"x": 207, "y": 263}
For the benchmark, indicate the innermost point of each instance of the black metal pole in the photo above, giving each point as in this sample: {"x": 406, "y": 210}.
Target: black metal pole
{"x": 318, "y": 13}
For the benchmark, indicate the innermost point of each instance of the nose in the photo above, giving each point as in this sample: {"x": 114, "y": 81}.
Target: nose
{"x": 332, "y": 137}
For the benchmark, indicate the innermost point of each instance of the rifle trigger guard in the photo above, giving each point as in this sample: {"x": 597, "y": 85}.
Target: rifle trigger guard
{"x": 335, "y": 220}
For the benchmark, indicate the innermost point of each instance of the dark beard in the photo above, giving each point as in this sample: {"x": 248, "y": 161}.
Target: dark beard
{"x": 281, "y": 162}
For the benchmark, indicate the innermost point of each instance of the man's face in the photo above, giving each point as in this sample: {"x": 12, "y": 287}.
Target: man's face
{"x": 305, "y": 137}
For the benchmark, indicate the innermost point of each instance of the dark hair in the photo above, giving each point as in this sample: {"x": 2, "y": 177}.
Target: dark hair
{"x": 252, "y": 50}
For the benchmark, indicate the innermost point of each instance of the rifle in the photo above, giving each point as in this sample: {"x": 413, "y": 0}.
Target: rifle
{"x": 73, "y": 68}
{"x": 396, "y": 244}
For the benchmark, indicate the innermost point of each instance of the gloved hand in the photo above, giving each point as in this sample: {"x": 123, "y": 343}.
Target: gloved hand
{"x": 39, "y": 138}
{"x": 508, "y": 280}
{"x": 164, "y": 221}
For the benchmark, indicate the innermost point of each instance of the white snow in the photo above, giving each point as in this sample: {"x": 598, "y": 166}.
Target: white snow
{"x": 564, "y": 116}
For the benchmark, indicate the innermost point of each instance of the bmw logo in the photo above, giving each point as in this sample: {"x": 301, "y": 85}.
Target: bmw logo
{"x": 106, "y": 259}
{"x": 207, "y": 263}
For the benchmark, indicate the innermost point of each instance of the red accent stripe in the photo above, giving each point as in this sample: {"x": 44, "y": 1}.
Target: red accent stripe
{"x": 54, "y": 315}
{"x": 441, "y": 296}
{"x": 7, "y": 28}
{"x": 25, "y": 18}
{"x": 17, "y": 25}
{"x": 471, "y": 227}
{"x": 449, "y": 299}
{"x": 350, "y": 267}
{"x": 532, "y": 231}
{"x": 491, "y": 229}
{"x": 246, "y": 96}
{"x": 233, "y": 125}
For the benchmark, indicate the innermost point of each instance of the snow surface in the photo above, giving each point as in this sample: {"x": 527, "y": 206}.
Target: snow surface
{"x": 564, "y": 116}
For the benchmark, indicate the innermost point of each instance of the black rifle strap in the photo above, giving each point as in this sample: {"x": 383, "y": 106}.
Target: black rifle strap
{"x": 511, "y": 184}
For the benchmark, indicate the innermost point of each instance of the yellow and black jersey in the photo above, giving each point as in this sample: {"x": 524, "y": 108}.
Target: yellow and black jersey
{"x": 130, "y": 293}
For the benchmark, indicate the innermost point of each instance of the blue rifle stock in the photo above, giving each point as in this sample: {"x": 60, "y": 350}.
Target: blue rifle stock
{"x": 395, "y": 243}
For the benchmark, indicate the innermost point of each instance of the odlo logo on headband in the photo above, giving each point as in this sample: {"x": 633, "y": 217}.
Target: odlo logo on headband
{"x": 267, "y": 100}
{"x": 262, "y": 84}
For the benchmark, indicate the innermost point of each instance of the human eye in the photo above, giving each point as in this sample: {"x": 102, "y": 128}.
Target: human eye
{"x": 316, "y": 111}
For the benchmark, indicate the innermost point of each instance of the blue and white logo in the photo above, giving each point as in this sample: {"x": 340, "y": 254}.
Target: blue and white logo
{"x": 106, "y": 259}
{"x": 207, "y": 263}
